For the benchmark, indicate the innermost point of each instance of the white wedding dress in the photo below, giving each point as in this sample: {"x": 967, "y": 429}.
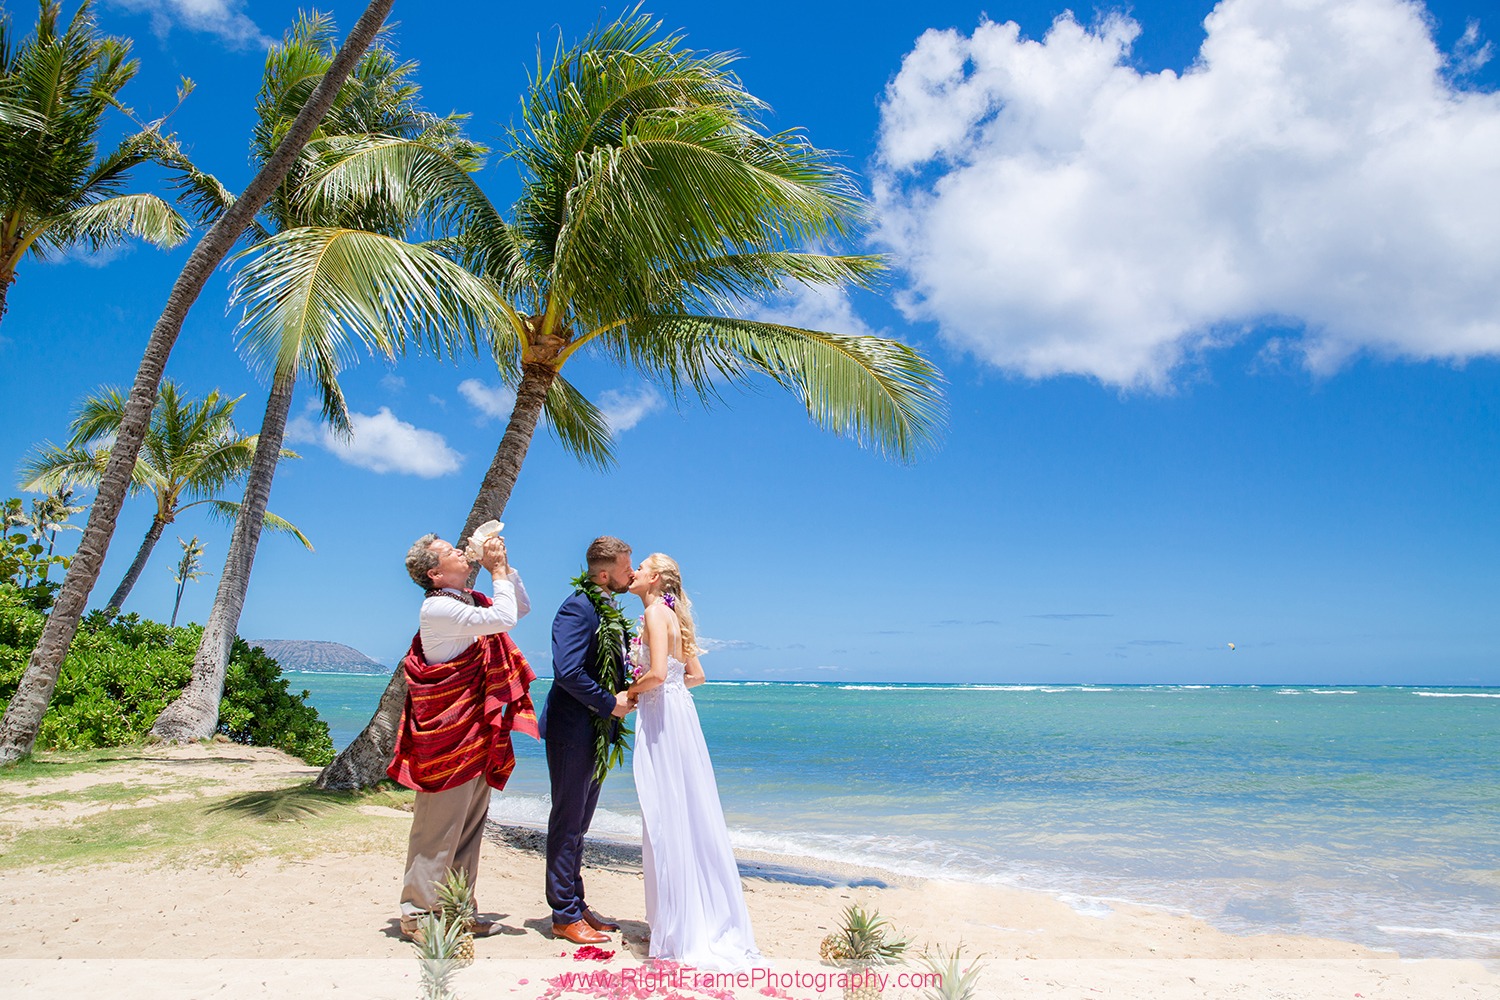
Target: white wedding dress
{"x": 694, "y": 903}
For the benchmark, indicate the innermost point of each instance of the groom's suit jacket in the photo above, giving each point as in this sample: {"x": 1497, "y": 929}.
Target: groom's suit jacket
{"x": 576, "y": 696}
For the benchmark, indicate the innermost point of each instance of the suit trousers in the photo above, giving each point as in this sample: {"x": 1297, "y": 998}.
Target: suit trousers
{"x": 575, "y": 793}
{"x": 447, "y": 829}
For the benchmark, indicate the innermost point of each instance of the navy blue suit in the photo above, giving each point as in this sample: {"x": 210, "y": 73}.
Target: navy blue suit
{"x": 567, "y": 727}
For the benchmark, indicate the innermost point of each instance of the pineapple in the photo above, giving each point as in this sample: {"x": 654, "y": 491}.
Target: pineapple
{"x": 955, "y": 982}
{"x": 862, "y": 943}
{"x": 456, "y": 904}
{"x": 832, "y": 949}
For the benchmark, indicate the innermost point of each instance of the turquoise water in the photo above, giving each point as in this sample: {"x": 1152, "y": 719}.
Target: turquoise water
{"x": 1366, "y": 814}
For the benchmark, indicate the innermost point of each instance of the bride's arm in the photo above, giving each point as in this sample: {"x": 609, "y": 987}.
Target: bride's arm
{"x": 693, "y": 675}
{"x": 658, "y": 637}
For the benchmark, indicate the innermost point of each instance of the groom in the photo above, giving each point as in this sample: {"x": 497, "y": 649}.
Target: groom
{"x": 577, "y": 697}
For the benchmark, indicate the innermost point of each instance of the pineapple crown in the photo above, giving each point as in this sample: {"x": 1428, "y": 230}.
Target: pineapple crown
{"x": 455, "y": 896}
{"x": 867, "y": 939}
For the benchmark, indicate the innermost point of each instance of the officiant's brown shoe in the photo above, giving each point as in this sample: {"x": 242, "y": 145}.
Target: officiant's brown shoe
{"x": 578, "y": 932}
{"x": 597, "y": 922}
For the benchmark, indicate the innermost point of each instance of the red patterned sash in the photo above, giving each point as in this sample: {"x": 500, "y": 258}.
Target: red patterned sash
{"x": 459, "y": 715}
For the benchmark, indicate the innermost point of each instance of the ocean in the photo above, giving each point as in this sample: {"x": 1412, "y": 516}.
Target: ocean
{"x": 1369, "y": 814}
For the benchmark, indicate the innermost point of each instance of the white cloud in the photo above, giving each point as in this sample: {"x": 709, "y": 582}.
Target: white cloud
{"x": 707, "y": 645}
{"x": 1058, "y": 211}
{"x": 1471, "y": 52}
{"x": 215, "y": 17}
{"x": 381, "y": 443}
{"x": 392, "y": 383}
{"x": 493, "y": 401}
{"x": 623, "y": 410}
{"x": 102, "y": 257}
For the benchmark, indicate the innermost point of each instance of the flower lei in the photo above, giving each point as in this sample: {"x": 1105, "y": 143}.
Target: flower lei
{"x": 638, "y": 667}
{"x": 610, "y": 741}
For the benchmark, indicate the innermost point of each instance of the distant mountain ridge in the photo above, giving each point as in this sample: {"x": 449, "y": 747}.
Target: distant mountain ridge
{"x": 329, "y": 657}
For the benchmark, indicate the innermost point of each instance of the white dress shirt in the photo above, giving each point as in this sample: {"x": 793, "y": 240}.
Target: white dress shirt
{"x": 450, "y": 626}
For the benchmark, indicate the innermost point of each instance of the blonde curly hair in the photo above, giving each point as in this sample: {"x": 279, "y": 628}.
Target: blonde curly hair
{"x": 671, "y": 583}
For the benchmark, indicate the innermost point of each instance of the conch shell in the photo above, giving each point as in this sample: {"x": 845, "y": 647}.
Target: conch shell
{"x": 483, "y": 533}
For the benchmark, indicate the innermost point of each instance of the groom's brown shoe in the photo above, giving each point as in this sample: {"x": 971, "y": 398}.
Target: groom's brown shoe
{"x": 578, "y": 932}
{"x": 597, "y": 922}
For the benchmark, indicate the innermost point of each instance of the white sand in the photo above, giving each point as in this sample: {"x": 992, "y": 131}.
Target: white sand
{"x": 324, "y": 924}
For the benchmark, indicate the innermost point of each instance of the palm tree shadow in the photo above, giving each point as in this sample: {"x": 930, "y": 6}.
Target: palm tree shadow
{"x": 279, "y": 805}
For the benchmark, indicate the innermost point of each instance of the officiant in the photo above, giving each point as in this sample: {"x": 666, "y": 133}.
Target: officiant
{"x": 467, "y": 689}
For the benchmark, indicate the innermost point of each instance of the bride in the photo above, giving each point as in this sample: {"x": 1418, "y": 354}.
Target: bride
{"x": 694, "y": 903}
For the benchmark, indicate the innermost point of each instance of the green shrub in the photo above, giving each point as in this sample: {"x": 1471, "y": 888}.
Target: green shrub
{"x": 119, "y": 675}
{"x": 258, "y": 709}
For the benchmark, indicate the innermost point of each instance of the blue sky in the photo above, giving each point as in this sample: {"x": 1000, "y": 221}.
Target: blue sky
{"x": 1215, "y": 299}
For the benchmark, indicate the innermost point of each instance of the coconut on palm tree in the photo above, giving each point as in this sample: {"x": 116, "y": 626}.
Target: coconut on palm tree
{"x": 56, "y": 193}
{"x": 324, "y": 278}
{"x": 23, "y": 715}
{"x": 192, "y": 454}
{"x": 655, "y": 208}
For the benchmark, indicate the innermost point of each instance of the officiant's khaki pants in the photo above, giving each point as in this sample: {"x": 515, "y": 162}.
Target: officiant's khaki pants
{"x": 446, "y": 831}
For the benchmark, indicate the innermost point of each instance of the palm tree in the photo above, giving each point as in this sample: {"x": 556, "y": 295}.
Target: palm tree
{"x": 54, "y": 192}
{"x": 309, "y": 311}
{"x": 23, "y": 715}
{"x": 191, "y": 454}
{"x": 654, "y": 203}
{"x": 188, "y": 569}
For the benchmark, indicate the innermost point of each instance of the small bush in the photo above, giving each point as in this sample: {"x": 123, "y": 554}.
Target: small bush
{"x": 119, "y": 675}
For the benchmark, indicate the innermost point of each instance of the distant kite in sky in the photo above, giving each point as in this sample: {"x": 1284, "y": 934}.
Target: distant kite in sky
{"x": 1231, "y": 647}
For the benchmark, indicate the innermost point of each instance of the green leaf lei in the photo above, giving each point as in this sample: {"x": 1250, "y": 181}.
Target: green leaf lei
{"x": 614, "y": 637}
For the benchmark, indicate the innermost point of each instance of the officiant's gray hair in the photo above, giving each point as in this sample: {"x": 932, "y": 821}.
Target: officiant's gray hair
{"x": 421, "y": 560}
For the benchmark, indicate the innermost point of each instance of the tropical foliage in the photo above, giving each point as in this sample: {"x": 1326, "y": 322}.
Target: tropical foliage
{"x": 191, "y": 455}
{"x": 28, "y": 540}
{"x": 119, "y": 673}
{"x": 56, "y": 192}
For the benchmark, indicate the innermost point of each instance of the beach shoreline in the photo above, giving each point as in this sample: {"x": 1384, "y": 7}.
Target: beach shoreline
{"x": 260, "y": 904}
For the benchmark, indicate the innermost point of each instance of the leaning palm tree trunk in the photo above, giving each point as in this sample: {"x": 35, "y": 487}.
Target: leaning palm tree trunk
{"x": 505, "y": 469}
{"x": 23, "y": 716}
{"x": 363, "y": 762}
{"x": 153, "y": 535}
{"x": 195, "y": 713}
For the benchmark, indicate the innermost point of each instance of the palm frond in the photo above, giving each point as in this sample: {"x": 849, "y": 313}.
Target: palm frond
{"x": 53, "y": 467}
{"x": 228, "y": 510}
{"x": 418, "y": 178}
{"x": 311, "y": 294}
{"x": 108, "y": 222}
{"x": 724, "y": 281}
{"x": 880, "y": 392}
{"x": 17, "y": 116}
{"x": 579, "y": 425}
{"x": 203, "y": 193}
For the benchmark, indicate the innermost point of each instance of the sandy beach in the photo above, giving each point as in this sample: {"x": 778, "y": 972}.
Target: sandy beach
{"x": 207, "y": 871}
